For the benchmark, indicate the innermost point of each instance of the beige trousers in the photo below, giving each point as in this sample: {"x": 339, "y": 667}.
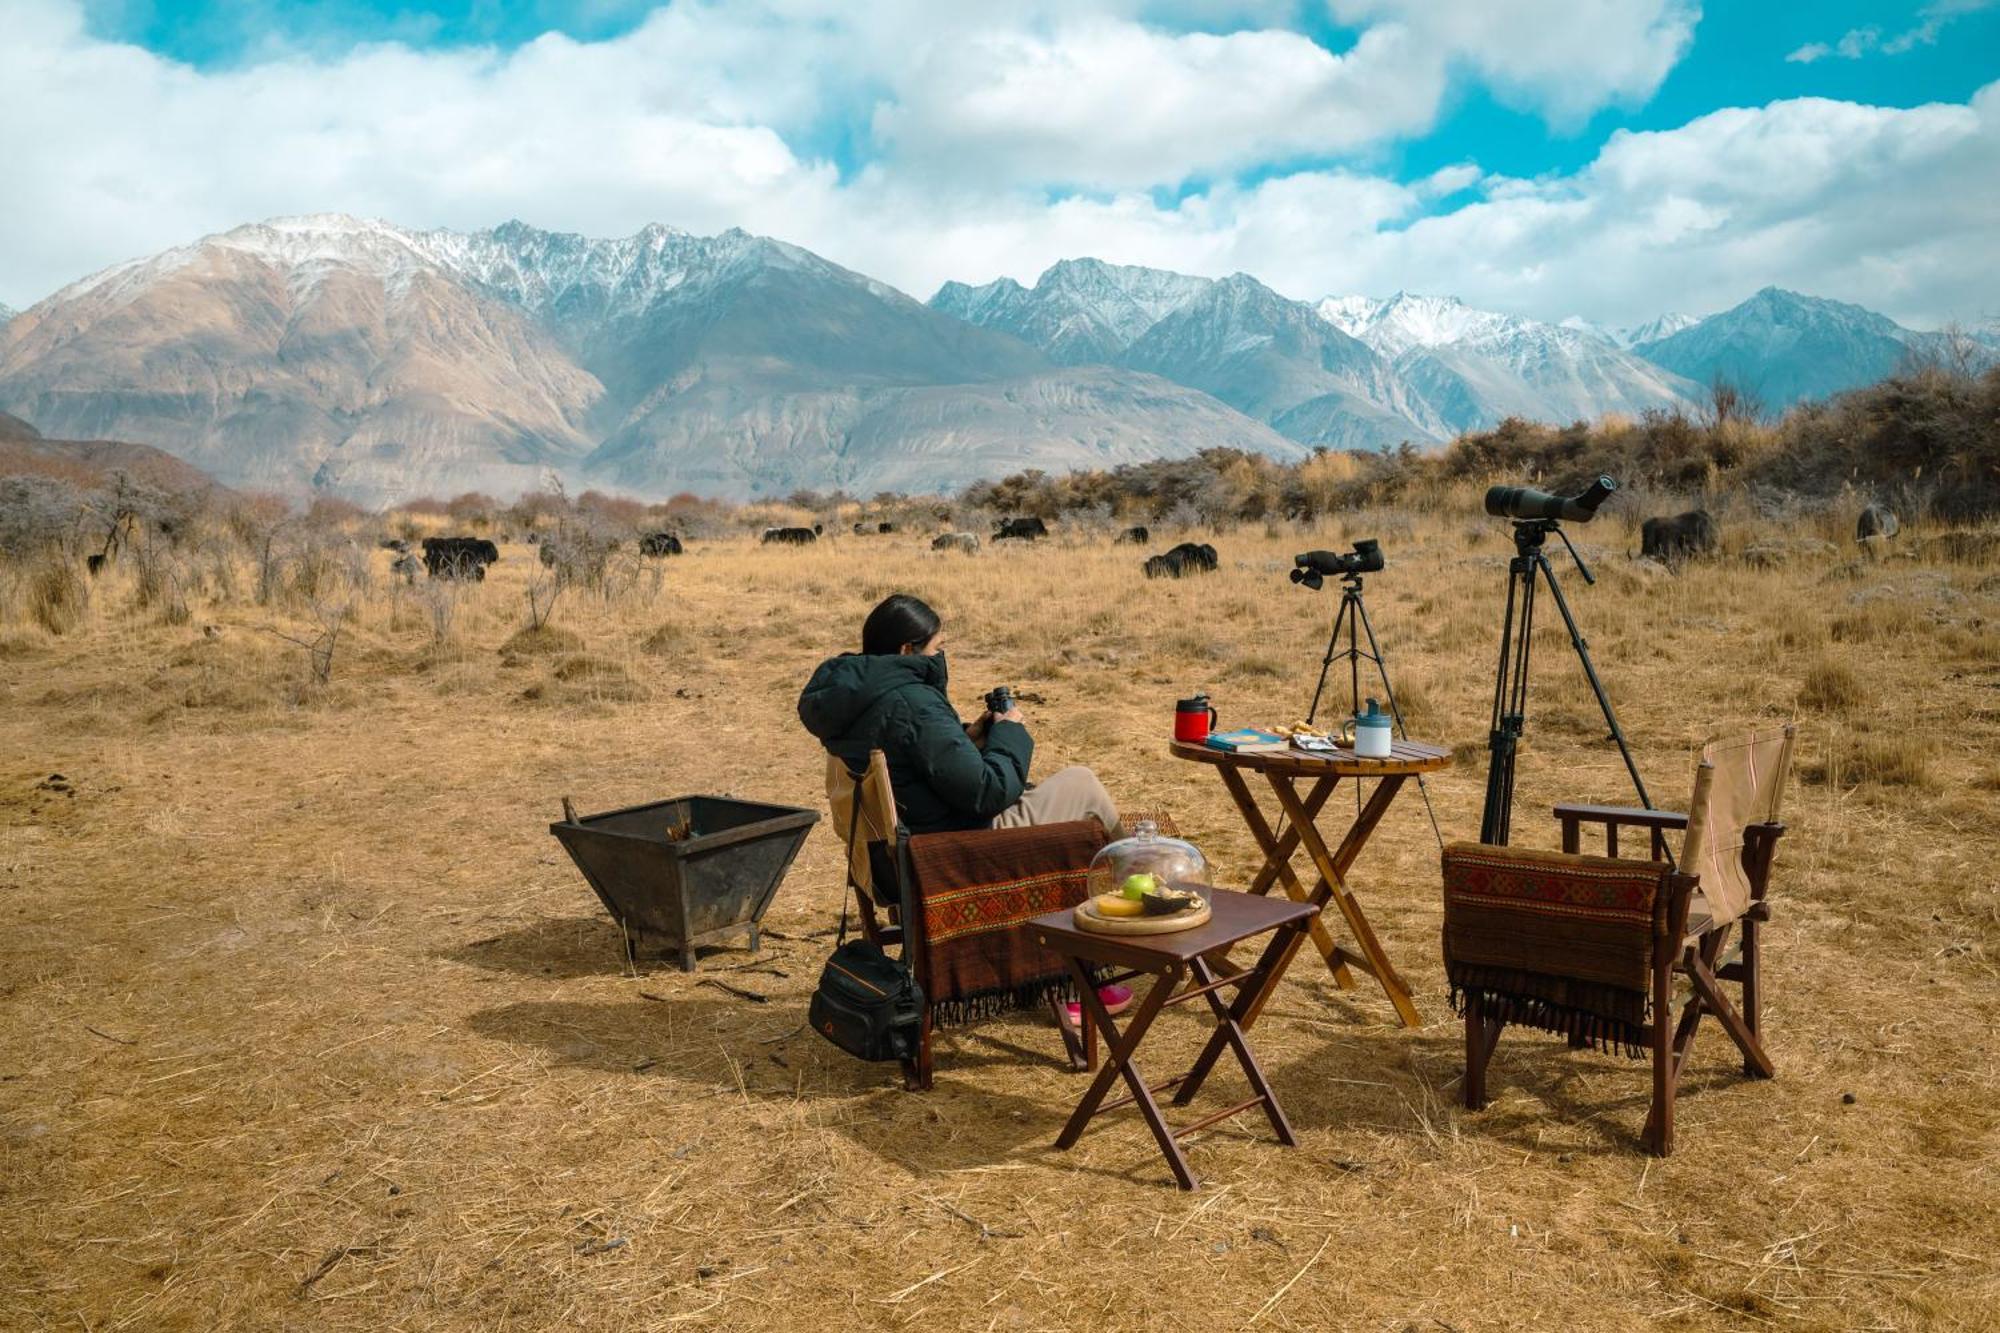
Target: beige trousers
{"x": 1070, "y": 793}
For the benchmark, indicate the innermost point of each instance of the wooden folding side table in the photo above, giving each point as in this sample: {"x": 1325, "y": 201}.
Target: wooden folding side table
{"x": 1234, "y": 917}
{"x": 1284, "y": 772}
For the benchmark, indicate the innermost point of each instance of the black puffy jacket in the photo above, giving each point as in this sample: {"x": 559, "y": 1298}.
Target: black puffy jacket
{"x": 859, "y": 702}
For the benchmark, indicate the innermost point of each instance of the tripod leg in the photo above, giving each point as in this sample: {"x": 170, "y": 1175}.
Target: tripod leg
{"x": 1590, "y": 671}
{"x": 1326, "y": 663}
{"x": 1395, "y": 710}
{"x": 1510, "y": 701}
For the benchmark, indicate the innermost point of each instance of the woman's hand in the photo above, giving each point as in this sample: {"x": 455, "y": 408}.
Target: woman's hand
{"x": 976, "y": 729}
{"x": 1013, "y": 714}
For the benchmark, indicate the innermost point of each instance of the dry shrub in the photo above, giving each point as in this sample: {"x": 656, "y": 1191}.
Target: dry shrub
{"x": 584, "y": 667}
{"x": 1880, "y": 761}
{"x": 543, "y": 640}
{"x": 57, "y": 597}
{"x": 1797, "y": 627}
{"x": 1881, "y": 619}
{"x": 667, "y": 640}
{"x": 1832, "y": 687}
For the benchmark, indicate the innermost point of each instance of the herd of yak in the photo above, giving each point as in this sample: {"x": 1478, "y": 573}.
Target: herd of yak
{"x": 1669, "y": 540}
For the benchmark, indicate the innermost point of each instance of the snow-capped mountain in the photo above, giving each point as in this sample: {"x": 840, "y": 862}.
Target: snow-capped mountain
{"x": 1781, "y": 347}
{"x": 1473, "y": 368}
{"x": 1654, "y": 329}
{"x": 383, "y": 361}
{"x": 1080, "y": 311}
{"x": 1439, "y": 365}
{"x": 1279, "y": 361}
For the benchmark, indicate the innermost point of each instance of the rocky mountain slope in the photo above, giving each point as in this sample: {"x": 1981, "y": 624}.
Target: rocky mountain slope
{"x": 1438, "y": 366}
{"x": 1277, "y": 360}
{"x": 1080, "y": 312}
{"x": 1473, "y": 368}
{"x": 1781, "y": 347}
{"x": 23, "y": 451}
{"x": 382, "y": 362}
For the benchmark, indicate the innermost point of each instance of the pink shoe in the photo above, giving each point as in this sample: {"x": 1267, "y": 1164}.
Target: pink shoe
{"x": 1117, "y": 999}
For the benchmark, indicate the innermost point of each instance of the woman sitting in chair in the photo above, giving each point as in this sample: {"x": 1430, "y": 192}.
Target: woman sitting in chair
{"x": 948, "y": 774}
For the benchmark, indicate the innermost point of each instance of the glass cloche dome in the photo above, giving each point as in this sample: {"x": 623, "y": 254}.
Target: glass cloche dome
{"x": 1147, "y": 851}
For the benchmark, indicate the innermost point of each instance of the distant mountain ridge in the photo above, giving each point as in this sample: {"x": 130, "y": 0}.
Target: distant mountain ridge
{"x": 1781, "y": 347}
{"x": 1438, "y": 366}
{"x": 379, "y": 362}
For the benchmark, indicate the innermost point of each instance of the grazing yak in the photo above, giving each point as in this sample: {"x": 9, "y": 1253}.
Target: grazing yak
{"x": 967, "y": 542}
{"x": 1137, "y": 536}
{"x": 1877, "y": 520}
{"x": 885, "y": 527}
{"x": 660, "y": 543}
{"x": 459, "y": 557}
{"x": 793, "y": 536}
{"x": 1682, "y": 537}
{"x": 1021, "y": 529}
{"x": 1187, "y": 558}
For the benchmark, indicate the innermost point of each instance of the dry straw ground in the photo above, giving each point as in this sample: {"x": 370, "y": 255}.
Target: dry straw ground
{"x": 305, "y": 1021}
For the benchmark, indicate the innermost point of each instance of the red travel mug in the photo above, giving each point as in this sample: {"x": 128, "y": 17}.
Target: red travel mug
{"x": 1192, "y": 719}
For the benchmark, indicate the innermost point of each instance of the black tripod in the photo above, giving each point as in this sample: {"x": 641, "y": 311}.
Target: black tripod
{"x": 1510, "y": 688}
{"x": 1353, "y": 614}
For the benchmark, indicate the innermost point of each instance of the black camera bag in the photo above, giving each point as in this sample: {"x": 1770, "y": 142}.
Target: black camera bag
{"x": 868, "y": 1004}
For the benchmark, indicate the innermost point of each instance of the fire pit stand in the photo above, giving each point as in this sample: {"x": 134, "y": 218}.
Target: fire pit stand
{"x": 688, "y": 871}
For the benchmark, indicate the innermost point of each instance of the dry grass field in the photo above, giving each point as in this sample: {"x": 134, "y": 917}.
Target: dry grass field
{"x": 307, "y": 1022}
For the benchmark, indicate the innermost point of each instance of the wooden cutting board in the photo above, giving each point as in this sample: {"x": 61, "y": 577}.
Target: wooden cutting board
{"x": 1088, "y": 919}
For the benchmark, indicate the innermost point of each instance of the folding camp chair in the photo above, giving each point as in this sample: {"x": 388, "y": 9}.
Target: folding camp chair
{"x": 882, "y": 856}
{"x": 1589, "y": 946}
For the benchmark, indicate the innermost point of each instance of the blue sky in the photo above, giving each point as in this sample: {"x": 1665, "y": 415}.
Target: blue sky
{"x": 1548, "y": 156}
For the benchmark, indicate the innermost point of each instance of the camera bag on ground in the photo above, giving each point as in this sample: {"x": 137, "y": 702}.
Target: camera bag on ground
{"x": 867, "y": 1003}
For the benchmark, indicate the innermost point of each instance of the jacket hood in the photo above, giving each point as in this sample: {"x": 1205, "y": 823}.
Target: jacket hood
{"x": 845, "y": 688}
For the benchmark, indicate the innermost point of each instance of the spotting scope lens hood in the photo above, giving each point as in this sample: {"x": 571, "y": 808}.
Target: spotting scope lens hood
{"x": 1525, "y": 504}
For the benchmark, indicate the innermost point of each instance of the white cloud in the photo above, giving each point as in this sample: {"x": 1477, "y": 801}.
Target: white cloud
{"x": 705, "y": 116}
{"x": 1565, "y": 58}
{"x": 1117, "y": 105}
{"x": 1858, "y": 42}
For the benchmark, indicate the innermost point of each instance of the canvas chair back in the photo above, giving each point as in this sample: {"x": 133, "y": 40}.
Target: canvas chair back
{"x": 873, "y": 822}
{"x": 1739, "y": 782}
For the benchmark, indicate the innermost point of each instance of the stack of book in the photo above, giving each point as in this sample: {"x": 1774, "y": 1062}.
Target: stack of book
{"x": 1248, "y": 740}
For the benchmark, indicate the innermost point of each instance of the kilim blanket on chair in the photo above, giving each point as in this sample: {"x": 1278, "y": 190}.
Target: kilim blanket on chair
{"x": 978, "y": 892}
{"x": 1563, "y": 943}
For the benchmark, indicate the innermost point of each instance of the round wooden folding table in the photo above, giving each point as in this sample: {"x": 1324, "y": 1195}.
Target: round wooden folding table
{"x": 1284, "y": 772}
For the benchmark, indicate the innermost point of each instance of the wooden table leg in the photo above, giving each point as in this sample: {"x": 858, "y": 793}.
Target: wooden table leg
{"x": 1230, "y": 1024}
{"x": 1333, "y": 881}
{"x": 1118, "y": 1063}
{"x": 1278, "y": 866}
{"x": 1281, "y": 853}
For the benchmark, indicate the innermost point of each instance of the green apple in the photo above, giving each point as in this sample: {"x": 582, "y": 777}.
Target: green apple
{"x": 1138, "y": 886}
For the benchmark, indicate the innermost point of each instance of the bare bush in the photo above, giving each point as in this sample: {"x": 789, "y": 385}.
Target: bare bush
{"x": 322, "y": 641}
{"x": 57, "y": 596}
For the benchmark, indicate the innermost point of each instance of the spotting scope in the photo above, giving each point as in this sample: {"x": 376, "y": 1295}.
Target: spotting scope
{"x": 1525, "y": 504}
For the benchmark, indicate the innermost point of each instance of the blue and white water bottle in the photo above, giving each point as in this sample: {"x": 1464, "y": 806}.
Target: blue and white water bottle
{"x": 1371, "y": 732}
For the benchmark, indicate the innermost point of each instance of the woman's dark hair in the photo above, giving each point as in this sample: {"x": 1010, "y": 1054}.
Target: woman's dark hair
{"x": 900, "y": 619}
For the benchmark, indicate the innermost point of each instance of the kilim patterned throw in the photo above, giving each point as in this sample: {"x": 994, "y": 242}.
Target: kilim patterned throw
{"x": 978, "y": 892}
{"x": 1560, "y": 943}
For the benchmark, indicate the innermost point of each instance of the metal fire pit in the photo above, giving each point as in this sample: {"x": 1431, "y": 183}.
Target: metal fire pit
{"x": 670, "y": 896}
